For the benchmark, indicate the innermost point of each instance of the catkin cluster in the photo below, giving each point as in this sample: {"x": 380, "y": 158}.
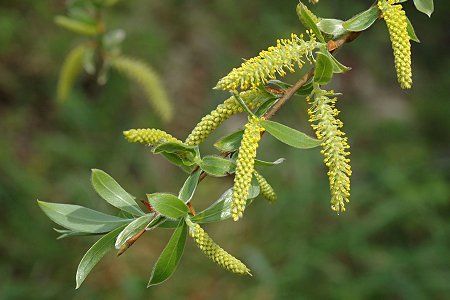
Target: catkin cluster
{"x": 323, "y": 117}
{"x": 223, "y": 111}
{"x": 148, "y": 80}
{"x": 264, "y": 67}
{"x": 149, "y": 137}
{"x": 72, "y": 67}
{"x": 266, "y": 189}
{"x": 245, "y": 166}
{"x": 397, "y": 24}
{"x": 215, "y": 252}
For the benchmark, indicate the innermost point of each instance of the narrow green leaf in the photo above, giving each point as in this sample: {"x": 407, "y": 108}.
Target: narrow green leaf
{"x": 230, "y": 142}
{"x": 79, "y": 218}
{"x": 95, "y": 254}
{"x": 324, "y": 69}
{"x": 177, "y": 161}
{"x": 411, "y": 32}
{"x": 221, "y": 209}
{"x": 170, "y": 256}
{"x": 168, "y": 205}
{"x": 363, "y": 20}
{"x": 216, "y": 166}
{"x": 113, "y": 193}
{"x": 69, "y": 233}
{"x": 289, "y": 135}
{"x": 76, "y": 26}
{"x": 263, "y": 163}
{"x": 337, "y": 66}
{"x": 187, "y": 154}
{"x": 425, "y": 6}
{"x": 133, "y": 228}
{"x": 309, "y": 20}
{"x": 189, "y": 186}
{"x": 331, "y": 26}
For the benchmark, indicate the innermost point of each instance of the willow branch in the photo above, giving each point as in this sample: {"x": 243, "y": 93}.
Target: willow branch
{"x": 332, "y": 46}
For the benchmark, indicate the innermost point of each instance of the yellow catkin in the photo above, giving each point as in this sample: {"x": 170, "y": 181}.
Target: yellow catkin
{"x": 266, "y": 189}
{"x": 245, "y": 165}
{"x": 72, "y": 67}
{"x": 397, "y": 24}
{"x": 76, "y": 26}
{"x": 223, "y": 111}
{"x": 149, "y": 81}
{"x": 323, "y": 117}
{"x": 264, "y": 67}
{"x": 215, "y": 252}
{"x": 149, "y": 137}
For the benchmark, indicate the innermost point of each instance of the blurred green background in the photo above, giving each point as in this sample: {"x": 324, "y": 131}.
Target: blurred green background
{"x": 394, "y": 241}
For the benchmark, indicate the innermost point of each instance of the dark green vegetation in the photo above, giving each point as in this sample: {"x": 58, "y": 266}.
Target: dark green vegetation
{"x": 392, "y": 241}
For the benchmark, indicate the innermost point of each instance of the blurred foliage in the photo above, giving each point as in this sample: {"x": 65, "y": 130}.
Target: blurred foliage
{"x": 392, "y": 243}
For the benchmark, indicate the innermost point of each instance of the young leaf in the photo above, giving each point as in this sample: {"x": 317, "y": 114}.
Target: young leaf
{"x": 230, "y": 142}
{"x": 289, "y": 135}
{"x": 186, "y": 153}
{"x": 69, "y": 233}
{"x": 425, "y": 6}
{"x": 79, "y": 218}
{"x": 308, "y": 19}
{"x": 268, "y": 163}
{"x": 170, "y": 256}
{"x": 189, "y": 186}
{"x": 133, "y": 228}
{"x": 411, "y": 32}
{"x": 76, "y": 26}
{"x": 324, "y": 69}
{"x": 363, "y": 20}
{"x": 95, "y": 254}
{"x": 113, "y": 193}
{"x": 177, "y": 161}
{"x": 216, "y": 166}
{"x": 331, "y": 26}
{"x": 221, "y": 209}
{"x": 168, "y": 205}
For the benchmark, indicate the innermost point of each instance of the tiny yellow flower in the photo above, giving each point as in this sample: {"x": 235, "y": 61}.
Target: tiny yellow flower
{"x": 245, "y": 165}
{"x": 266, "y": 189}
{"x": 149, "y": 137}
{"x": 396, "y": 21}
{"x": 223, "y": 111}
{"x": 323, "y": 117}
{"x": 215, "y": 252}
{"x": 264, "y": 67}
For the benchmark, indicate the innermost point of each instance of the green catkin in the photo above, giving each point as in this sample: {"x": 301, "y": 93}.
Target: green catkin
{"x": 72, "y": 67}
{"x": 223, "y": 111}
{"x": 264, "y": 67}
{"x": 149, "y": 137}
{"x": 215, "y": 252}
{"x": 323, "y": 117}
{"x": 148, "y": 79}
{"x": 266, "y": 189}
{"x": 397, "y": 24}
{"x": 245, "y": 165}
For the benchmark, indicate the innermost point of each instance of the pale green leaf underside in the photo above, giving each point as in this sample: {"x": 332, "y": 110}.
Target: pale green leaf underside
{"x": 290, "y": 136}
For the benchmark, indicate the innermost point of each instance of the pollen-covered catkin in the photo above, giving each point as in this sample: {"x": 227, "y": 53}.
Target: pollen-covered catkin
{"x": 223, "y": 111}
{"x": 397, "y": 24}
{"x": 245, "y": 165}
{"x": 72, "y": 67}
{"x": 323, "y": 117}
{"x": 149, "y": 137}
{"x": 215, "y": 252}
{"x": 266, "y": 189}
{"x": 149, "y": 81}
{"x": 264, "y": 67}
